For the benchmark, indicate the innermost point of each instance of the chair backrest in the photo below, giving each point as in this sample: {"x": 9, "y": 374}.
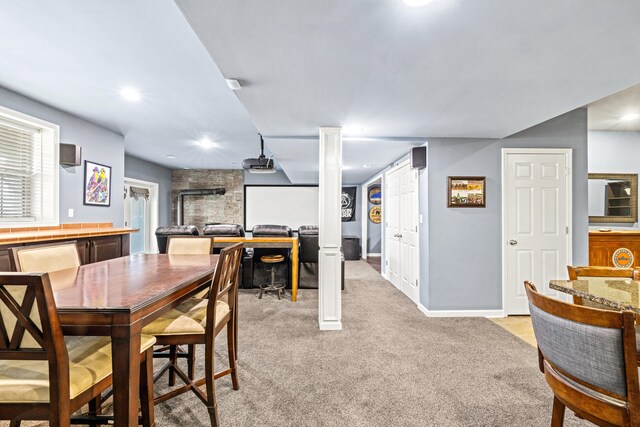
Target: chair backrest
{"x": 44, "y": 258}
{"x": 30, "y": 328}
{"x": 189, "y": 245}
{"x": 162, "y": 233}
{"x": 224, "y": 230}
{"x": 308, "y": 237}
{"x": 224, "y": 286}
{"x": 589, "y": 355}
{"x": 606, "y": 273}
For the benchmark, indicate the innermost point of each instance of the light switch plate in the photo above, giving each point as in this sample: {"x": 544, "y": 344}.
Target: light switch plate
{"x": 70, "y": 213}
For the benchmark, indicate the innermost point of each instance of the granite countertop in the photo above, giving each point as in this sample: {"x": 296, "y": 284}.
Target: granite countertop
{"x": 620, "y": 294}
{"x": 60, "y": 232}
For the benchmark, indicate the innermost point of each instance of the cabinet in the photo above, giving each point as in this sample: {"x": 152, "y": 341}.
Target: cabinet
{"x": 104, "y": 248}
{"x": 603, "y": 245}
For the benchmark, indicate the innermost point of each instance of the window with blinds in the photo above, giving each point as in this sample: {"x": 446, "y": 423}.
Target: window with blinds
{"x": 28, "y": 170}
{"x": 17, "y": 144}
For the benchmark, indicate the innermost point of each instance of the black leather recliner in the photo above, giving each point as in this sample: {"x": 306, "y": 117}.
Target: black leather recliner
{"x": 162, "y": 233}
{"x": 282, "y": 269}
{"x": 234, "y": 230}
{"x": 308, "y": 257}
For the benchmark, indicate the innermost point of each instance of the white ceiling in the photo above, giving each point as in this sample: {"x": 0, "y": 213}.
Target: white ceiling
{"x": 606, "y": 113}
{"x": 76, "y": 55}
{"x": 453, "y": 68}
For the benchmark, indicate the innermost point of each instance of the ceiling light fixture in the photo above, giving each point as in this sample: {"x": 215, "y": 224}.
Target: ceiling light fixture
{"x": 233, "y": 84}
{"x": 170, "y": 156}
{"x": 629, "y": 117}
{"x": 205, "y": 142}
{"x": 415, "y": 3}
{"x": 130, "y": 94}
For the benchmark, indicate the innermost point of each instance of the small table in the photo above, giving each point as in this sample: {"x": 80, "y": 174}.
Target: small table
{"x": 117, "y": 298}
{"x": 619, "y": 294}
{"x": 268, "y": 242}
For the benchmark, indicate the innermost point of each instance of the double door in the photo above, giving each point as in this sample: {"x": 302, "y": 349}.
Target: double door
{"x": 401, "y": 230}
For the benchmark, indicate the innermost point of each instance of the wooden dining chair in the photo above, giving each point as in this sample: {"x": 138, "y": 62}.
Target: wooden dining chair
{"x": 588, "y": 357}
{"x": 199, "y": 322}
{"x": 43, "y": 374}
{"x": 599, "y": 274}
{"x": 185, "y": 245}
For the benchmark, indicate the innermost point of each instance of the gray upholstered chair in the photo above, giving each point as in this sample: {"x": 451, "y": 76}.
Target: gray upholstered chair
{"x": 588, "y": 357}
{"x": 602, "y": 274}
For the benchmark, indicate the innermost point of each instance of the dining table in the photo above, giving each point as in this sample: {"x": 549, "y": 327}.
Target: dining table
{"x": 616, "y": 293}
{"x": 117, "y": 298}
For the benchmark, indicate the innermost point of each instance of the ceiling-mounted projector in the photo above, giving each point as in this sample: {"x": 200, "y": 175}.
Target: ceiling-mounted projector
{"x": 261, "y": 164}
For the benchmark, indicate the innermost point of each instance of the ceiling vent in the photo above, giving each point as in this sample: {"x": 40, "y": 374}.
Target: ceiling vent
{"x": 261, "y": 164}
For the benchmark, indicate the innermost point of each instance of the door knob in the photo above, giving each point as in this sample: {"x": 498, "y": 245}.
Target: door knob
{"x": 513, "y": 242}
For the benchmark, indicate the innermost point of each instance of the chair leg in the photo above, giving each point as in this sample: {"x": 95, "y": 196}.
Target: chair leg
{"x": 231, "y": 344}
{"x": 557, "y": 416}
{"x": 191, "y": 360}
{"x": 173, "y": 359}
{"x": 14, "y": 423}
{"x": 146, "y": 390}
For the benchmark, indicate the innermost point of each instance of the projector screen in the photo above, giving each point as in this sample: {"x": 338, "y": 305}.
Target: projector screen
{"x": 281, "y": 205}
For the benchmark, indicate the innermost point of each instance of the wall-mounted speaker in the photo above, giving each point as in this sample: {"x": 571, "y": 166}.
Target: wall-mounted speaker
{"x": 418, "y": 157}
{"x": 70, "y": 155}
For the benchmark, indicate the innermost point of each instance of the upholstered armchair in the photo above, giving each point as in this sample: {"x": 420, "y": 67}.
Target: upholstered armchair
{"x": 234, "y": 230}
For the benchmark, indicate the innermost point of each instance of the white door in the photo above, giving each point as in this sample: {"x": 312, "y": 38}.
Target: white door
{"x": 401, "y": 233}
{"x": 537, "y": 215}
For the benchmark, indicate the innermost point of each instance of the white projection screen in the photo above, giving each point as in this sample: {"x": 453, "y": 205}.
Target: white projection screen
{"x": 282, "y": 205}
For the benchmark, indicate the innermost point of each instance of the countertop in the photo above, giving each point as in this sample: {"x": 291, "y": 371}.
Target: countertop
{"x": 64, "y": 231}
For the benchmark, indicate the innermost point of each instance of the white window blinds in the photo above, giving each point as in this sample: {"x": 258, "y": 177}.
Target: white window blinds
{"x": 20, "y": 164}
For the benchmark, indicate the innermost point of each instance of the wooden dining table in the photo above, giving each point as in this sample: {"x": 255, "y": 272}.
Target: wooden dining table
{"x": 616, "y": 293}
{"x": 117, "y": 298}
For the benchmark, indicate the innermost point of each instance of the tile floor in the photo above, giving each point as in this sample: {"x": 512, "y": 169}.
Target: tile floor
{"x": 519, "y": 326}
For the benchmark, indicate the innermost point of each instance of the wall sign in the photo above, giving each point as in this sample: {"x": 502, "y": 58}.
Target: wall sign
{"x": 348, "y": 202}
{"x": 375, "y": 214}
{"x": 375, "y": 195}
{"x": 622, "y": 258}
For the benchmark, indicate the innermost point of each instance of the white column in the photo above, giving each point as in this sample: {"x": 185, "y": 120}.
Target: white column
{"x": 330, "y": 233}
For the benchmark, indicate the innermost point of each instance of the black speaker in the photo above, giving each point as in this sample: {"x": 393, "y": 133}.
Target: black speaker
{"x": 418, "y": 157}
{"x": 70, "y": 155}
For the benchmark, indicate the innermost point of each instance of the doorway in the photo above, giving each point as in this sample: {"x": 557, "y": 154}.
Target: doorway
{"x": 402, "y": 252}
{"x": 372, "y": 222}
{"x": 141, "y": 212}
{"x": 536, "y": 221}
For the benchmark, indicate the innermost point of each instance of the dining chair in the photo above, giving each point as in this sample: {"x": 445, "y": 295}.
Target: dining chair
{"x": 588, "y": 357}
{"x": 199, "y": 322}
{"x": 601, "y": 274}
{"x": 45, "y": 375}
{"x": 185, "y": 245}
{"x": 44, "y": 258}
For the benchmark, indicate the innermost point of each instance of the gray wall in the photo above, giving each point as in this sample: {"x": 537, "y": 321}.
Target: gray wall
{"x": 463, "y": 269}
{"x": 98, "y": 145}
{"x": 141, "y": 169}
{"x": 614, "y": 152}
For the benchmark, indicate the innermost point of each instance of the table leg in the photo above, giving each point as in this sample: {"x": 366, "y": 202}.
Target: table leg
{"x": 125, "y": 348}
{"x": 294, "y": 270}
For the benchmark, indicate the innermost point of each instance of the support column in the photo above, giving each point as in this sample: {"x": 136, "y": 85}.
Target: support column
{"x": 330, "y": 230}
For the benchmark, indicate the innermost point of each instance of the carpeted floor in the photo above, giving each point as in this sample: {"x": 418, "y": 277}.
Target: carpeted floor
{"x": 390, "y": 365}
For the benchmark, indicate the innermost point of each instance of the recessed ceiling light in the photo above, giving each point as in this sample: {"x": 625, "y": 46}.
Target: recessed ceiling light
{"x": 366, "y": 166}
{"x": 205, "y": 142}
{"x": 130, "y": 94}
{"x": 415, "y": 3}
{"x": 170, "y": 156}
{"x": 233, "y": 84}
{"x": 629, "y": 117}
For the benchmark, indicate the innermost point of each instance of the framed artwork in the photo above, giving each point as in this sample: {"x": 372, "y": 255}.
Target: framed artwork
{"x": 375, "y": 214}
{"x": 375, "y": 195}
{"x": 97, "y": 184}
{"x": 466, "y": 192}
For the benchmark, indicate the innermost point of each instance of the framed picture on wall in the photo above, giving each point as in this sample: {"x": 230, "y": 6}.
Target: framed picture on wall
{"x": 466, "y": 192}
{"x": 97, "y": 184}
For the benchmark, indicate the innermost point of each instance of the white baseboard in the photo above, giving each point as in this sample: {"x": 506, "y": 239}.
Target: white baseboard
{"x": 331, "y": 326}
{"x": 460, "y": 313}
{"x": 374, "y": 254}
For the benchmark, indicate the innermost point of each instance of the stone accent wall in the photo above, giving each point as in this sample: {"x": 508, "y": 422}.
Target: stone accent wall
{"x": 200, "y": 210}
